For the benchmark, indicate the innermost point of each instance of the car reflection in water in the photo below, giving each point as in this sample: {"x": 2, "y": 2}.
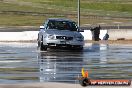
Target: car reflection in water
{"x": 60, "y": 66}
{"x": 65, "y": 66}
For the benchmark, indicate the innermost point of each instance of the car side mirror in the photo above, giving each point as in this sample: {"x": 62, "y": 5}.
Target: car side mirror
{"x": 41, "y": 27}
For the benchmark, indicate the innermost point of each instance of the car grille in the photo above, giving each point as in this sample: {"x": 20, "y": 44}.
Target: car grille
{"x": 64, "y": 37}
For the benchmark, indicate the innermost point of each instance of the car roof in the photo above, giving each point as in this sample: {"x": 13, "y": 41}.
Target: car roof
{"x": 60, "y": 19}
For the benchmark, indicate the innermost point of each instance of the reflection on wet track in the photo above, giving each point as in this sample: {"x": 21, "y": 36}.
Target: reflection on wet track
{"x": 22, "y": 62}
{"x": 18, "y": 62}
{"x": 60, "y": 66}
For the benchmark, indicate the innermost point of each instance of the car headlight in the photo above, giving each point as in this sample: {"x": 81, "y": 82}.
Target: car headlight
{"x": 51, "y": 36}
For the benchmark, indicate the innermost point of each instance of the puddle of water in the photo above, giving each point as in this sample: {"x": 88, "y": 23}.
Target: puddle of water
{"x": 22, "y": 62}
{"x": 18, "y": 62}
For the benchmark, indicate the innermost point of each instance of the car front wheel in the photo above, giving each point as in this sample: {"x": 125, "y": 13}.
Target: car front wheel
{"x": 42, "y": 47}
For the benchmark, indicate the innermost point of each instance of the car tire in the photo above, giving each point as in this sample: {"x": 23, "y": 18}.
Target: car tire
{"x": 80, "y": 48}
{"x": 42, "y": 47}
{"x": 38, "y": 43}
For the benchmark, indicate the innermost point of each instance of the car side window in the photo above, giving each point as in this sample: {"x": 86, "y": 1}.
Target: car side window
{"x": 51, "y": 25}
{"x": 45, "y": 25}
{"x": 73, "y": 26}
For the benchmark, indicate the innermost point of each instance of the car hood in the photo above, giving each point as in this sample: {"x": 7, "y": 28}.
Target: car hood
{"x": 63, "y": 32}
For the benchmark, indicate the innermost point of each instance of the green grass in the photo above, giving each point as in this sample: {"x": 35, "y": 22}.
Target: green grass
{"x": 16, "y": 7}
{"x": 111, "y": 8}
{"x": 108, "y": 7}
{"x": 20, "y": 20}
{"x": 112, "y": 5}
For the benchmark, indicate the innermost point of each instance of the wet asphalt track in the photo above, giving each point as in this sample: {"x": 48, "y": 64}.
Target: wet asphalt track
{"x": 22, "y": 62}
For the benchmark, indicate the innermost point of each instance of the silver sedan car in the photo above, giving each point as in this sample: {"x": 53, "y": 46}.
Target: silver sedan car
{"x": 57, "y": 32}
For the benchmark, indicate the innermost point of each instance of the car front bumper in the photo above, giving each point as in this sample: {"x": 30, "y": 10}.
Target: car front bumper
{"x": 58, "y": 42}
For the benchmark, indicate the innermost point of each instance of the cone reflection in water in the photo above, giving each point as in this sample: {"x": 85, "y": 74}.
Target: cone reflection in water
{"x": 84, "y": 73}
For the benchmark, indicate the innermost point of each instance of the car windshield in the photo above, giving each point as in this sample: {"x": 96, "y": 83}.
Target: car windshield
{"x": 62, "y": 25}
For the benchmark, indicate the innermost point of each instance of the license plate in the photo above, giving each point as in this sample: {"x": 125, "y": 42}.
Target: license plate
{"x": 62, "y": 42}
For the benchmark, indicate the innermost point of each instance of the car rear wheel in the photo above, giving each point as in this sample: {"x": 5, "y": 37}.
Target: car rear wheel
{"x": 77, "y": 47}
{"x": 80, "y": 48}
